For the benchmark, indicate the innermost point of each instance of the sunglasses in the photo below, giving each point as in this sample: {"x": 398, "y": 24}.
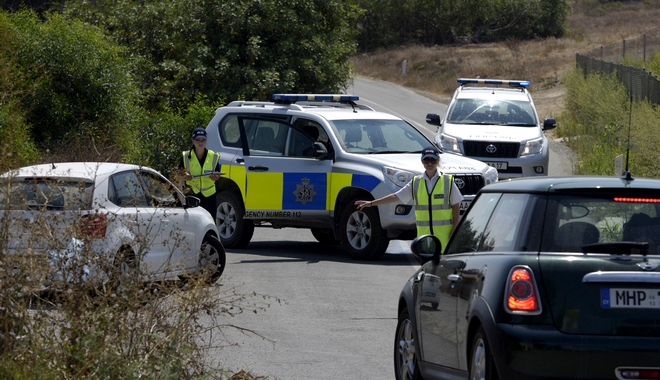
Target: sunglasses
{"x": 429, "y": 161}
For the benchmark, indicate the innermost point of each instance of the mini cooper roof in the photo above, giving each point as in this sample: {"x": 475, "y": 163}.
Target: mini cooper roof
{"x": 571, "y": 183}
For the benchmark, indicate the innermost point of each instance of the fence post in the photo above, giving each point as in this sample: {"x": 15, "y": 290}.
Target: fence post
{"x": 404, "y": 67}
{"x": 644, "y": 48}
{"x": 624, "y": 48}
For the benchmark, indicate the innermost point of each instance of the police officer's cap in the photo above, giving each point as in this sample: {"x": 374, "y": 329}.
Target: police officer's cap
{"x": 431, "y": 152}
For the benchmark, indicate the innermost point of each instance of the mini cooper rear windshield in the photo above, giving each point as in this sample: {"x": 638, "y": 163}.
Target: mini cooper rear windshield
{"x": 45, "y": 193}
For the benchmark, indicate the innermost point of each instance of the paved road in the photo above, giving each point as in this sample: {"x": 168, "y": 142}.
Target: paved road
{"x": 329, "y": 317}
{"x": 326, "y": 316}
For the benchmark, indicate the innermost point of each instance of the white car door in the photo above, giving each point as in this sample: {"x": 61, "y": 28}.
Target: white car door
{"x": 148, "y": 225}
{"x": 178, "y": 225}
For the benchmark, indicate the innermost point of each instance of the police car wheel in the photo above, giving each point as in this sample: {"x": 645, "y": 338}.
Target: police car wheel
{"x": 235, "y": 232}
{"x": 361, "y": 234}
{"x": 324, "y": 235}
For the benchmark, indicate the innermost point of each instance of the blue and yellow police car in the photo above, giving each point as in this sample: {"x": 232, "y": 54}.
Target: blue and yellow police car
{"x": 301, "y": 161}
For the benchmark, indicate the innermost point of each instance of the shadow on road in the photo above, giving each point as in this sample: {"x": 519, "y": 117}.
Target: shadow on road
{"x": 312, "y": 252}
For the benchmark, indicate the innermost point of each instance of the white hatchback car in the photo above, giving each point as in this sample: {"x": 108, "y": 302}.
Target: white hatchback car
{"x": 495, "y": 121}
{"x": 87, "y": 219}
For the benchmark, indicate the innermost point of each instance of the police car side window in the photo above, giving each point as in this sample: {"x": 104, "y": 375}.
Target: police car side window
{"x": 230, "y": 134}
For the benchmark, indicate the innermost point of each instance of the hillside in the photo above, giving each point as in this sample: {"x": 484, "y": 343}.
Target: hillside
{"x": 434, "y": 70}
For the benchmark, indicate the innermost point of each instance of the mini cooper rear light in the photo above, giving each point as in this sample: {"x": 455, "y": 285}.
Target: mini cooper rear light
{"x": 521, "y": 295}
{"x": 94, "y": 225}
{"x": 637, "y": 373}
{"x": 636, "y": 200}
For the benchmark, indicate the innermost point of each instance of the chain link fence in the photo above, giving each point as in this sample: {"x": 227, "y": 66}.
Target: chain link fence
{"x": 641, "y": 84}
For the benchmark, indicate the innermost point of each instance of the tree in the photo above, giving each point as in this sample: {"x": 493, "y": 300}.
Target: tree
{"x": 229, "y": 49}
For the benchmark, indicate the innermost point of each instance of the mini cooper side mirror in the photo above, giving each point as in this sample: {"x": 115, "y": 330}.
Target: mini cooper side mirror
{"x": 425, "y": 248}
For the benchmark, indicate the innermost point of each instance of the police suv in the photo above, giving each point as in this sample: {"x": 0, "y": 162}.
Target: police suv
{"x": 495, "y": 121}
{"x": 302, "y": 161}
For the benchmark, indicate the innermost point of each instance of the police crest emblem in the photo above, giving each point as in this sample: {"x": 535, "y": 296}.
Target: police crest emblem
{"x": 304, "y": 192}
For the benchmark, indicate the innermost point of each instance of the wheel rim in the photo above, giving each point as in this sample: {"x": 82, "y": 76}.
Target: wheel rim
{"x": 358, "y": 230}
{"x": 478, "y": 370}
{"x": 226, "y": 220}
{"x": 406, "y": 351}
{"x": 208, "y": 258}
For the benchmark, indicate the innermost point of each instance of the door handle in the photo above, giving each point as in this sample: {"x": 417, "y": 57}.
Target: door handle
{"x": 240, "y": 160}
{"x": 258, "y": 168}
{"x": 454, "y": 277}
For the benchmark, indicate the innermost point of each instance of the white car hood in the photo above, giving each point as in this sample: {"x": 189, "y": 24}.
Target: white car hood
{"x": 491, "y": 132}
{"x": 449, "y": 163}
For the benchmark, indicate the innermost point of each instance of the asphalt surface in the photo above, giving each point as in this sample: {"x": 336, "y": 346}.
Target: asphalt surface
{"x": 307, "y": 310}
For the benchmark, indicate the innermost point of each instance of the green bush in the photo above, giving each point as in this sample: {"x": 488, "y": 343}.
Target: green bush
{"x": 81, "y": 87}
{"x": 228, "y": 49}
{"x": 598, "y": 125}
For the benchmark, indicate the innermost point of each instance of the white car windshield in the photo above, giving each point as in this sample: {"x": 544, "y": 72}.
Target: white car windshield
{"x": 379, "y": 136}
{"x": 492, "y": 112}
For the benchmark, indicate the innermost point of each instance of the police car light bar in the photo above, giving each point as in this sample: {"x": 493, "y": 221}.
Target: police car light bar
{"x": 290, "y": 98}
{"x": 496, "y": 82}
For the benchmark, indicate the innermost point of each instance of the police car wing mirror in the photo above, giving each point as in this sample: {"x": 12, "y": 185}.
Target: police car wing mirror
{"x": 433, "y": 119}
{"x": 426, "y": 248}
{"x": 549, "y": 124}
{"x": 191, "y": 201}
{"x": 320, "y": 151}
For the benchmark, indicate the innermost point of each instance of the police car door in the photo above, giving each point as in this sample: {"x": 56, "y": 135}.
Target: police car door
{"x": 284, "y": 179}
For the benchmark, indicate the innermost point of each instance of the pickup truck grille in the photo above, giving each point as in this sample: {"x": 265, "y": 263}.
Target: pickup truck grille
{"x": 469, "y": 184}
{"x": 481, "y": 149}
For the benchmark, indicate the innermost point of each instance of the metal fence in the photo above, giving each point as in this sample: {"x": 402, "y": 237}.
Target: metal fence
{"x": 641, "y": 84}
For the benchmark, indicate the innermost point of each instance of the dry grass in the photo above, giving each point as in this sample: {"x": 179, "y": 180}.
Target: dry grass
{"x": 435, "y": 69}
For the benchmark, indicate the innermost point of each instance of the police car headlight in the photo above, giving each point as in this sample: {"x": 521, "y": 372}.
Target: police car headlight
{"x": 398, "y": 176}
{"x": 491, "y": 175}
{"x": 533, "y": 147}
{"x": 448, "y": 143}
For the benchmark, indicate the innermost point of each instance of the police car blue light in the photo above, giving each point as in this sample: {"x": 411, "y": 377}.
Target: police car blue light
{"x": 495, "y": 82}
{"x": 315, "y": 97}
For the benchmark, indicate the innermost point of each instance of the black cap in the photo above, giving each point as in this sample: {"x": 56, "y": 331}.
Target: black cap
{"x": 431, "y": 152}
{"x": 199, "y": 134}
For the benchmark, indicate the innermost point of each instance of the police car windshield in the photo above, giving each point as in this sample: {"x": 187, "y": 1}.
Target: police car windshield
{"x": 493, "y": 112}
{"x": 379, "y": 136}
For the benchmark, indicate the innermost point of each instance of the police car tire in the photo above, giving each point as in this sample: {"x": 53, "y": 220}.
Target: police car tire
{"x": 324, "y": 236}
{"x": 231, "y": 203}
{"x": 377, "y": 242}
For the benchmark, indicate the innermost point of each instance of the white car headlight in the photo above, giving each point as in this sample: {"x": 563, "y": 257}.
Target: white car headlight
{"x": 491, "y": 175}
{"x": 533, "y": 147}
{"x": 400, "y": 177}
{"x": 448, "y": 143}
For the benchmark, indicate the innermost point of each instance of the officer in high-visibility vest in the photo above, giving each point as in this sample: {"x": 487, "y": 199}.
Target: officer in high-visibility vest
{"x": 202, "y": 169}
{"x": 436, "y": 198}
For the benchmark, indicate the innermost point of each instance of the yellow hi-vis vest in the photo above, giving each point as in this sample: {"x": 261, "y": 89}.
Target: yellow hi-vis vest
{"x": 202, "y": 184}
{"x": 433, "y": 212}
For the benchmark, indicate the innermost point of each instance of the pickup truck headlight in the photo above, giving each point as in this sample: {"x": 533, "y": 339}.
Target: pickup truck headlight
{"x": 533, "y": 147}
{"x": 491, "y": 175}
{"x": 400, "y": 177}
{"x": 448, "y": 143}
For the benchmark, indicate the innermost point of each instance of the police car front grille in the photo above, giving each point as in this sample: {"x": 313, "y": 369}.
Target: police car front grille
{"x": 471, "y": 184}
{"x": 485, "y": 149}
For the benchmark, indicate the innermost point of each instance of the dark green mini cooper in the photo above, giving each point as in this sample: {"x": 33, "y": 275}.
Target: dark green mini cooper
{"x": 545, "y": 278}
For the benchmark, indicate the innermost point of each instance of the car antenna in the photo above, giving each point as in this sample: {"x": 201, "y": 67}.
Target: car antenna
{"x": 626, "y": 173}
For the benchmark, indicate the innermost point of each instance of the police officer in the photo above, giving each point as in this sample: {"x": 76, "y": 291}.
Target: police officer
{"x": 202, "y": 169}
{"x": 436, "y": 199}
